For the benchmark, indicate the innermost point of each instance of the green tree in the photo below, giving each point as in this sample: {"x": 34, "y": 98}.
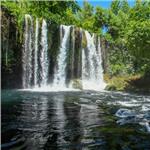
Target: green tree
{"x": 115, "y": 6}
{"x": 86, "y": 17}
{"x": 125, "y": 6}
{"x": 100, "y": 18}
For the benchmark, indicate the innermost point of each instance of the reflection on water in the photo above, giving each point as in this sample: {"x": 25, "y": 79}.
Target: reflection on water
{"x": 71, "y": 120}
{"x": 72, "y": 124}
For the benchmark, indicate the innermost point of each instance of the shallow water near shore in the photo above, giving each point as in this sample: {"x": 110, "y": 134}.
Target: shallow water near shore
{"x": 75, "y": 120}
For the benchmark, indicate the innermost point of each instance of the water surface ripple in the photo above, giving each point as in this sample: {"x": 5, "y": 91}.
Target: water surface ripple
{"x": 81, "y": 120}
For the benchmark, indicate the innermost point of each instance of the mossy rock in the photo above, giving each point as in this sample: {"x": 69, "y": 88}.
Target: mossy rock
{"x": 77, "y": 84}
{"x": 84, "y": 40}
{"x": 110, "y": 88}
{"x": 118, "y": 83}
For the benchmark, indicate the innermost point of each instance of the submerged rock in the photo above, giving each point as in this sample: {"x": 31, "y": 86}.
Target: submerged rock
{"x": 147, "y": 116}
{"x": 146, "y": 125}
{"x": 125, "y": 121}
{"x": 131, "y": 117}
{"x": 123, "y": 113}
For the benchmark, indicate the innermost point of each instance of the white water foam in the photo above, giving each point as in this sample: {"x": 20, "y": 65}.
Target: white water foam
{"x": 92, "y": 72}
{"x": 60, "y": 72}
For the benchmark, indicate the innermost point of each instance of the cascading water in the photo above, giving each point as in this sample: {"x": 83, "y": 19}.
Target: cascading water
{"x": 77, "y": 61}
{"x": 73, "y": 52}
{"x": 35, "y": 69}
{"x": 27, "y": 53}
{"x": 44, "y": 55}
{"x": 36, "y": 54}
{"x": 72, "y": 57}
{"x": 60, "y": 72}
{"x": 92, "y": 72}
{"x": 100, "y": 70}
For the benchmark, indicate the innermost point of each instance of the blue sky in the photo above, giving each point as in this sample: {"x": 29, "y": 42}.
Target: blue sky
{"x": 102, "y": 3}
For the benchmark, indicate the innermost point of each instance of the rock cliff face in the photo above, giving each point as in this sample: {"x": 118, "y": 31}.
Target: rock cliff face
{"x": 13, "y": 49}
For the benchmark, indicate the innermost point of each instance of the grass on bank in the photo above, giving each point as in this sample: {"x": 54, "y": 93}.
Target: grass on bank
{"x": 130, "y": 83}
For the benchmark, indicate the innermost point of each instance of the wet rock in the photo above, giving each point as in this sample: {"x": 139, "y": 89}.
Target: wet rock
{"x": 110, "y": 88}
{"x": 129, "y": 117}
{"x": 146, "y": 125}
{"x": 76, "y": 83}
{"x": 123, "y": 113}
{"x": 128, "y": 120}
{"x": 147, "y": 116}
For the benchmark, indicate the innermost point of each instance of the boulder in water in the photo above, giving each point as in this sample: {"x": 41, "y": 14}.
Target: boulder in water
{"x": 77, "y": 84}
{"x": 146, "y": 125}
{"x": 147, "y": 116}
{"x": 124, "y": 113}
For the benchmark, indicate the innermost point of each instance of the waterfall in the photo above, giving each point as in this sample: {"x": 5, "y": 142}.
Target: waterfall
{"x": 73, "y": 51}
{"x": 100, "y": 70}
{"x": 36, "y": 54}
{"x": 92, "y": 72}
{"x": 72, "y": 57}
{"x": 27, "y": 53}
{"x": 60, "y": 73}
{"x": 35, "y": 69}
{"x": 44, "y": 55}
{"x": 76, "y": 63}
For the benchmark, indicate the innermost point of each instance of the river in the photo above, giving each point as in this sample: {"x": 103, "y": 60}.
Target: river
{"x": 75, "y": 120}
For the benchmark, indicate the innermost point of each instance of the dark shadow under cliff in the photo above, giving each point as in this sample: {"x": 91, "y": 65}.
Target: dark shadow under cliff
{"x": 11, "y": 51}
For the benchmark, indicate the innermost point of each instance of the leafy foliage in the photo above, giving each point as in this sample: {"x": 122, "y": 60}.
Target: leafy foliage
{"x": 53, "y": 10}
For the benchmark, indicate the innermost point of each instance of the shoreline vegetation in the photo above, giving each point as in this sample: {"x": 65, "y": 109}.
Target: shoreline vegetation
{"x": 131, "y": 83}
